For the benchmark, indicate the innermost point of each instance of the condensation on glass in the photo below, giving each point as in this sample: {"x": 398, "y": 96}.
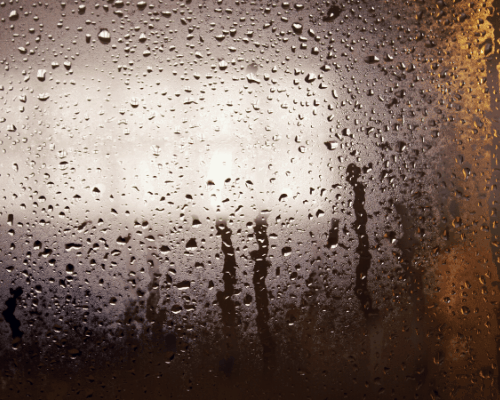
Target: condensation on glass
{"x": 249, "y": 199}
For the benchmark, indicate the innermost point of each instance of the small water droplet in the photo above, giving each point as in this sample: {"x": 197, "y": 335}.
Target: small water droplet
{"x": 104, "y": 36}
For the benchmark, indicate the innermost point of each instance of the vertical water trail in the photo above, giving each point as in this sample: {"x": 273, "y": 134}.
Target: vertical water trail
{"x": 260, "y": 271}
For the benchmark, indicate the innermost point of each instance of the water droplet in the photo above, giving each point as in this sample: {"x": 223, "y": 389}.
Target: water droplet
{"x": 252, "y": 78}
{"x": 13, "y": 15}
{"x": 176, "y": 309}
{"x": 41, "y": 74}
{"x": 104, "y": 36}
{"x": 310, "y": 77}
{"x": 222, "y": 65}
{"x": 331, "y": 145}
{"x": 297, "y": 28}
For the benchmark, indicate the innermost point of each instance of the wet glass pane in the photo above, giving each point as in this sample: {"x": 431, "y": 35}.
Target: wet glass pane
{"x": 249, "y": 199}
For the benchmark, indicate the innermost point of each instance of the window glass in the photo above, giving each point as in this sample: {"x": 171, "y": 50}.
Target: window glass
{"x": 249, "y": 199}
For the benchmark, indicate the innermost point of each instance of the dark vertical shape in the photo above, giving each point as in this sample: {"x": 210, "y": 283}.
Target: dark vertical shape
{"x": 407, "y": 245}
{"x": 155, "y": 314}
{"x": 365, "y": 258}
{"x": 9, "y": 316}
{"x": 224, "y": 298}
{"x": 260, "y": 272}
{"x": 226, "y": 365}
{"x": 171, "y": 342}
{"x": 333, "y": 234}
{"x": 493, "y": 87}
{"x": 152, "y": 311}
{"x": 171, "y": 345}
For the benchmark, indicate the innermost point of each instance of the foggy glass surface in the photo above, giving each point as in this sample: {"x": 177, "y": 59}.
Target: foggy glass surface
{"x": 249, "y": 199}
